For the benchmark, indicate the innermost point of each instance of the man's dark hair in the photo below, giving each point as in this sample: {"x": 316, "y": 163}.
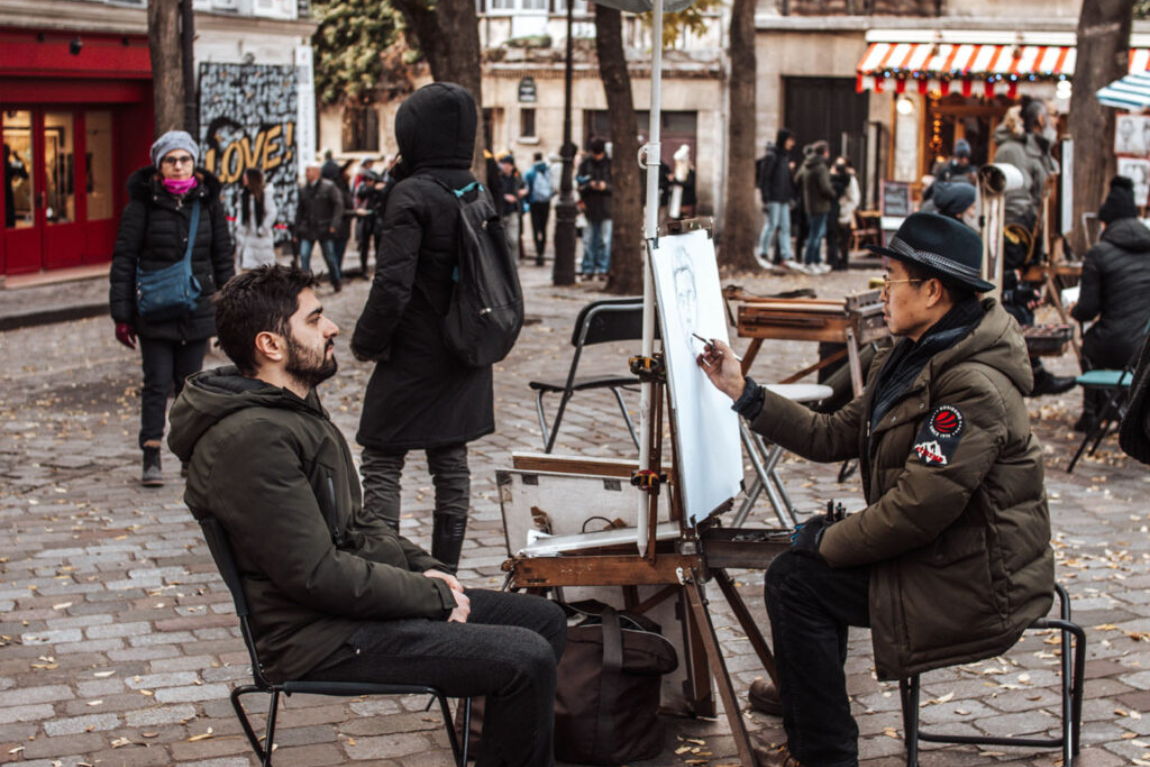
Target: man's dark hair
{"x": 538, "y": 156}
{"x": 597, "y": 146}
{"x": 958, "y": 293}
{"x": 1031, "y": 111}
{"x": 262, "y": 300}
{"x": 820, "y": 148}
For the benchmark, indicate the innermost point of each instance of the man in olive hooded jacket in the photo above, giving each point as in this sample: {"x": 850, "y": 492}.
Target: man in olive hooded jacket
{"x": 335, "y": 593}
{"x": 950, "y": 561}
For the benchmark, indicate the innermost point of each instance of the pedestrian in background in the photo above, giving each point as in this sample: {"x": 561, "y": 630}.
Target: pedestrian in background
{"x": 540, "y": 191}
{"x": 814, "y": 179}
{"x": 514, "y": 191}
{"x": 421, "y": 397}
{"x": 362, "y": 192}
{"x": 317, "y": 220}
{"x": 342, "y": 182}
{"x": 594, "y": 179}
{"x": 775, "y": 179}
{"x": 155, "y": 232}
{"x": 840, "y": 223}
{"x": 255, "y": 235}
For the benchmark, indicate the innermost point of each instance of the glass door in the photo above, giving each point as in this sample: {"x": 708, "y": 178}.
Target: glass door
{"x": 62, "y": 207}
{"x": 21, "y": 241}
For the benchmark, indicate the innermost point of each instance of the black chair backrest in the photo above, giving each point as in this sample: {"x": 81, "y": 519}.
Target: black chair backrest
{"x": 611, "y": 319}
{"x": 221, "y": 548}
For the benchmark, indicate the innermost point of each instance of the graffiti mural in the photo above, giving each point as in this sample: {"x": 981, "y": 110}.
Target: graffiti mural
{"x": 248, "y": 120}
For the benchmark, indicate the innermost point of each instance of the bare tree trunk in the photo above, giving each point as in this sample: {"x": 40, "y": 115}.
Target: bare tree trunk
{"x": 741, "y": 215}
{"x": 167, "y": 64}
{"x": 626, "y": 274}
{"x": 1103, "y": 56}
{"x": 448, "y": 37}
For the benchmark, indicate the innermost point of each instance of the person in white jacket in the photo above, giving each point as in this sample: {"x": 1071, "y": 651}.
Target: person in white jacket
{"x": 255, "y": 230}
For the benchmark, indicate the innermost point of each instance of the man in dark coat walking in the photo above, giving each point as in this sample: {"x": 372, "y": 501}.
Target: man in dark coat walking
{"x": 814, "y": 179}
{"x": 318, "y": 218}
{"x": 950, "y": 561}
{"x": 420, "y": 396}
{"x": 775, "y": 179}
{"x": 336, "y": 594}
{"x": 1114, "y": 289}
{"x": 594, "y": 179}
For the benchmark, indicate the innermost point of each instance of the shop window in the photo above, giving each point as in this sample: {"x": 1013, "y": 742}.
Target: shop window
{"x": 98, "y": 162}
{"x": 360, "y": 128}
{"x": 527, "y": 123}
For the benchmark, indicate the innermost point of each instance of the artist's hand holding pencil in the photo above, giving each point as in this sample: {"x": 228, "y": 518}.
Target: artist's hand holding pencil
{"x": 723, "y": 367}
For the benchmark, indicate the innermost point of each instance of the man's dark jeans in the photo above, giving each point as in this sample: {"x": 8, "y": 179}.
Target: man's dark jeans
{"x": 507, "y": 651}
{"x": 810, "y": 605}
{"x": 166, "y": 365}
{"x": 540, "y": 212}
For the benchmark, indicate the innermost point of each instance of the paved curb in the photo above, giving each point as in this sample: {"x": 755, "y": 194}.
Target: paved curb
{"x": 52, "y": 315}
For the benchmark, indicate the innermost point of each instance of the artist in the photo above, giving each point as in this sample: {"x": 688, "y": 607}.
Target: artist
{"x": 336, "y": 595}
{"x": 950, "y": 561}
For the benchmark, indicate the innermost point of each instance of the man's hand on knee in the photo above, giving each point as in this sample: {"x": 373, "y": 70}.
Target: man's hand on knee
{"x": 451, "y": 580}
{"x": 808, "y": 535}
{"x": 462, "y": 608}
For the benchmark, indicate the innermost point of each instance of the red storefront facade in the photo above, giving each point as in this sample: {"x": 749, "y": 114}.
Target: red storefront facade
{"x": 76, "y": 118}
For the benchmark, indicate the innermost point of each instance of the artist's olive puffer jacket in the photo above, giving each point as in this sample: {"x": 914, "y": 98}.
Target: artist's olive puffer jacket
{"x": 154, "y": 235}
{"x": 957, "y": 530}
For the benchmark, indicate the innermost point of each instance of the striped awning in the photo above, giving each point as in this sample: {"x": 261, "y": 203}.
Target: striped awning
{"x": 1131, "y": 92}
{"x": 947, "y": 66}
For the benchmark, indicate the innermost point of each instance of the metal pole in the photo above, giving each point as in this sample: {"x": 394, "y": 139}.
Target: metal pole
{"x": 650, "y": 155}
{"x": 563, "y": 270}
{"x": 187, "y": 43}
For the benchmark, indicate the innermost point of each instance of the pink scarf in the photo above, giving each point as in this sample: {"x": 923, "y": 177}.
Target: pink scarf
{"x": 180, "y": 185}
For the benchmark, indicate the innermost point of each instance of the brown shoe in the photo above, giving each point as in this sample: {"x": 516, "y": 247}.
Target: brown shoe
{"x": 764, "y": 697}
{"x": 772, "y": 755}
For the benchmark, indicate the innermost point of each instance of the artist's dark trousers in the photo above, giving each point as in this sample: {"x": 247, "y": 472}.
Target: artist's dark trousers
{"x": 507, "y": 651}
{"x": 540, "y": 212}
{"x": 810, "y": 605}
{"x": 166, "y": 365}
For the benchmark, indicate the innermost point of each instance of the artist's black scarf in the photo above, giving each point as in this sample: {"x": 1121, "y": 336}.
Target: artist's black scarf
{"x": 909, "y": 358}
{"x": 247, "y": 208}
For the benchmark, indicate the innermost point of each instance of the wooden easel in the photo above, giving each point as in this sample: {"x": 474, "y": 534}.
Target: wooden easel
{"x": 681, "y": 568}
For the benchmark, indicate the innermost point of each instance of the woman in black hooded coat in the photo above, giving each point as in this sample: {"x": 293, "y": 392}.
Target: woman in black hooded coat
{"x": 153, "y": 235}
{"x": 420, "y": 396}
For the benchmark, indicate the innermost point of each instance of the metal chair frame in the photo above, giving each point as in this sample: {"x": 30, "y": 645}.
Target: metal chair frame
{"x": 1073, "y": 675}
{"x": 1117, "y": 401}
{"x": 220, "y": 547}
{"x": 583, "y": 336}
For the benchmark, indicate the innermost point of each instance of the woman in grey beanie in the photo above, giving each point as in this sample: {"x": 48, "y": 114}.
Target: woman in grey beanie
{"x": 154, "y": 233}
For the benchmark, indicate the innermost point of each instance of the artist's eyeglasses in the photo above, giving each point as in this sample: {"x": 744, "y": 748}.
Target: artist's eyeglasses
{"x": 185, "y": 159}
{"x": 887, "y": 282}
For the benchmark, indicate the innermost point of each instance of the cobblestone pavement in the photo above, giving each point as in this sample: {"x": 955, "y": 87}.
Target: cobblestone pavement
{"x": 120, "y": 643}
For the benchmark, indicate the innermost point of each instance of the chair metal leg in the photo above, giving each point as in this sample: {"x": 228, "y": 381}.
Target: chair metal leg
{"x": 466, "y": 732}
{"x": 1079, "y": 452}
{"x": 542, "y": 419}
{"x": 449, "y": 723}
{"x": 270, "y": 732}
{"x": 909, "y": 692}
{"x": 242, "y": 715}
{"x": 558, "y": 420}
{"x": 626, "y": 416}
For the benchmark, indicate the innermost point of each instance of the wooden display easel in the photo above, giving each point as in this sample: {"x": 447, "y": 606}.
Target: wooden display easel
{"x": 680, "y": 567}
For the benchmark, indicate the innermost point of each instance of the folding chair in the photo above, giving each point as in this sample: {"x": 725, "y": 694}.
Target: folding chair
{"x": 1073, "y": 674}
{"x": 613, "y": 319}
{"x": 1115, "y": 384}
{"x": 221, "y": 549}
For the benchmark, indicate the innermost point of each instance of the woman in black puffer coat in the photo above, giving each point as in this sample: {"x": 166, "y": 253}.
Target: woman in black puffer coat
{"x": 153, "y": 235}
{"x": 420, "y": 396}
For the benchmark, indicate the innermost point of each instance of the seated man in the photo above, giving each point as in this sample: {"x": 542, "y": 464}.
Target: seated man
{"x": 335, "y": 594}
{"x": 951, "y": 560}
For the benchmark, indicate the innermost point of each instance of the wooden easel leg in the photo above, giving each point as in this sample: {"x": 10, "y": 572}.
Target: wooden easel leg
{"x": 747, "y": 621}
{"x": 719, "y": 671}
{"x": 699, "y": 692}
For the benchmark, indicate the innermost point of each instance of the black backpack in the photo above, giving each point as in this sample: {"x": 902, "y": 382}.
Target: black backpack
{"x": 486, "y": 311}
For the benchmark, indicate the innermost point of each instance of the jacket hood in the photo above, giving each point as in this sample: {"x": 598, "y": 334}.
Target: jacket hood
{"x": 145, "y": 183}
{"x": 997, "y": 343}
{"x": 813, "y": 159}
{"x": 212, "y": 395}
{"x": 435, "y": 127}
{"x": 1130, "y": 234}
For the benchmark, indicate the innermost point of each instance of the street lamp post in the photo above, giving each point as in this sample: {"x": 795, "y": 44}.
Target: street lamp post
{"x": 563, "y": 271}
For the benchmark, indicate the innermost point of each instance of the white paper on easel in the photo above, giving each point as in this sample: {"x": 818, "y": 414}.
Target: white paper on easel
{"x": 690, "y": 300}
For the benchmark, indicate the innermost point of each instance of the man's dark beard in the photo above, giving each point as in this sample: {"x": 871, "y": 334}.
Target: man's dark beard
{"x": 309, "y": 369}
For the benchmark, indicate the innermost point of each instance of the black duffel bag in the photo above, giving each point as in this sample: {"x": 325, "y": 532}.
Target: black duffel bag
{"x": 607, "y": 701}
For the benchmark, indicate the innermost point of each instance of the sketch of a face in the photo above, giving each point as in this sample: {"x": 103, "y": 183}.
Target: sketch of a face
{"x": 1125, "y": 134}
{"x": 1145, "y": 148}
{"x": 686, "y": 296}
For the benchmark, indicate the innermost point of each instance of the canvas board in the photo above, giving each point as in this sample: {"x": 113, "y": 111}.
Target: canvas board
{"x": 1137, "y": 171}
{"x": 689, "y": 298}
{"x": 1132, "y": 135}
